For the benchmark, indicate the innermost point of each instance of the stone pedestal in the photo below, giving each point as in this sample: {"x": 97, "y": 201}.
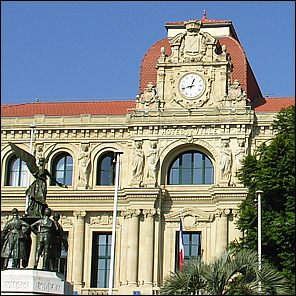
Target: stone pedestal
{"x": 33, "y": 282}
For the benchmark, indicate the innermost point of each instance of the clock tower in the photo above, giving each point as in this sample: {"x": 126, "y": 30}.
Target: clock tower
{"x": 194, "y": 69}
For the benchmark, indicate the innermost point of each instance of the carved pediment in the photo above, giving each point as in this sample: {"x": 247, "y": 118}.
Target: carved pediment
{"x": 198, "y": 214}
{"x": 194, "y": 46}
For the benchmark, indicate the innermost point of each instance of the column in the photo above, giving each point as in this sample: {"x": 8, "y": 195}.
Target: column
{"x": 221, "y": 230}
{"x": 133, "y": 247}
{"x": 146, "y": 254}
{"x": 78, "y": 249}
{"x": 124, "y": 249}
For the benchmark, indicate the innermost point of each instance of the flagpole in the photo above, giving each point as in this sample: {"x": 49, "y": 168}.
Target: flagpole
{"x": 112, "y": 255}
{"x": 181, "y": 244}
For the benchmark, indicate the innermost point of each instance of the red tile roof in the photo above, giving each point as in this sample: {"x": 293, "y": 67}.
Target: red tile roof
{"x": 273, "y": 104}
{"x": 148, "y": 72}
{"x": 67, "y": 108}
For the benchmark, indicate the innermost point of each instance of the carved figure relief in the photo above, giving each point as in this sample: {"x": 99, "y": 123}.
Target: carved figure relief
{"x": 39, "y": 151}
{"x": 138, "y": 162}
{"x": 84, "y": 165}
{"x": 239, "y": 153}
{"x": 236, "y": 96}
{"x": 149, "y": 99}
{"x": 225, "y": 160}
{"x": 152, "y": 157}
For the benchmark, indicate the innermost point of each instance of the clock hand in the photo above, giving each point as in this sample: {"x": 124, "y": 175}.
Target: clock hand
{"x": 190, "y": 86}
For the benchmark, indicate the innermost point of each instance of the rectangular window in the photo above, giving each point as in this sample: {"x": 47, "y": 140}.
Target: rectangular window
{"x": 101, "y": 253}
{"x": 192, "y": 246}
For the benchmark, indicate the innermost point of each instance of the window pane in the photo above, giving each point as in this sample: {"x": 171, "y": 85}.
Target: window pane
{"x": 102, "y": 250}
{"x": 194, "y": 250}
{"x": 195, "y": 238}
{"x": 186, "y": 176}
{"x": 186, "y": 161}
{"x": 198, "y": 177}
{"x": 186, "y": 238}
{"x": 197, "y": 160}
{"x": 102, "y": 239}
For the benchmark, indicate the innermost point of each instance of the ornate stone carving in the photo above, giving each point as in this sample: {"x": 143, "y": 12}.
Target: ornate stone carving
{"x": 129, "y": 213}
{"x": 84, "y": 166}
{"x": 225, "y": 160}
{"x": 38, "y": 151}
{"x": 102, "y": 219}
{"x": 240, "y": 153}
{"x": 152, "y": 162}
{"x": 65, "y": 220}
{"x": 195, "y": 46}
{"x": 149, "y": 99}
{"x": 236, "y": 96}
{"x": 79, "y": 214}
{"x": 138, "y": 163}
{"x": 149, "y": 212}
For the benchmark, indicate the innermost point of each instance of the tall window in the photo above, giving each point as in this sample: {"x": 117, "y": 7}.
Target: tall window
{"x": 192, "y": 246}
{"x": 191, "y": 168}
{"x": 18, "y": 173}
{"x": 63, "y": 169}
{"x": 106, "y": 169}
{"x": 101, "y": 260}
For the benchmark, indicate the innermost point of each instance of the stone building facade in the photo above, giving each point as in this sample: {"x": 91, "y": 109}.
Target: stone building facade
{"x": 198, "y": 113}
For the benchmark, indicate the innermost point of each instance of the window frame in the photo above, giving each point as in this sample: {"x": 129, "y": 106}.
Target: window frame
{"x": 177, "y": 169}
{"x": 99, "y": 180}
{"x": 96, "y": 257}
{"x": 22, "y": 172}
{"x": 66, "y": 171}
{"x": 188, "y": 246}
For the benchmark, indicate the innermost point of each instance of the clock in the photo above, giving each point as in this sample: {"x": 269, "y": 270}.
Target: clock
{"x": 191, "y": 85}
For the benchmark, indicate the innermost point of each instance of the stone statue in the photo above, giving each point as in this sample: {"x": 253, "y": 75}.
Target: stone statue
{"x": 239, "y": 153}
{"x": 84, "y": 166}
{"x": 39, "y": 151}
{"x": 36, "y": 192}
{"x": 149, "y": 99}
{"x": 59, "y": 238}
{"x": 15, "y": 241}
{"x": 152, "y": 157}
{"x": 44, "y": 229}
{"x": 138, "y": 162}
{"x": 236, "y": 96}
{"x": 225, "y": 161}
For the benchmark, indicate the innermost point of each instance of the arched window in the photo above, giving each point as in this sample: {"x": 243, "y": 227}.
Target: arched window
{"x": 191, "y": 168}
{"x": 106, "y": 169}
{"x": 18, "y": 173}
{"x": 63, "y": 169}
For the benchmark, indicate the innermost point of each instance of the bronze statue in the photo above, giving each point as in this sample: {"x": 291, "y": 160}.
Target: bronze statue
{"x": 58, "y": 239}
{"x": 15, "y": 241}
{"x": 43, "y": 228}
{"x": 36, "y": 192}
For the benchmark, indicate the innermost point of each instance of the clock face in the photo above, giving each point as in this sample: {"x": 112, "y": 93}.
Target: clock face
{"x": 191, "y": 85}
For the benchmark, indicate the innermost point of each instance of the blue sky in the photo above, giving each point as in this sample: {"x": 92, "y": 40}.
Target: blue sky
{"x": 92, "y": 50}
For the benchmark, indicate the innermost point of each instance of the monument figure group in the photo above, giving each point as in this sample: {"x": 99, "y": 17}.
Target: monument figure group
{"x": 16, "y": 235}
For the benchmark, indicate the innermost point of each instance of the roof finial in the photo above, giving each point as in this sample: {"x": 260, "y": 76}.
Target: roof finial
{"x": 204, "y": 14}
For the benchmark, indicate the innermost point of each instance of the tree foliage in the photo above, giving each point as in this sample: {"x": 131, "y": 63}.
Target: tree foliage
{"x": 233, "y": 272}
{"x": 272, "y": 169}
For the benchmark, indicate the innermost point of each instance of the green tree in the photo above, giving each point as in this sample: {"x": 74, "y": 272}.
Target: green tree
{"x": 233, "y": 272}
{"x": 272, "y": 169}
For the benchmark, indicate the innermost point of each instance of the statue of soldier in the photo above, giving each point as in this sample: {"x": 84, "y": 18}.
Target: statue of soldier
{"x": 43, "y": 228}
{"x": 15, "y": 241}
{"x": 59, "y": 238}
